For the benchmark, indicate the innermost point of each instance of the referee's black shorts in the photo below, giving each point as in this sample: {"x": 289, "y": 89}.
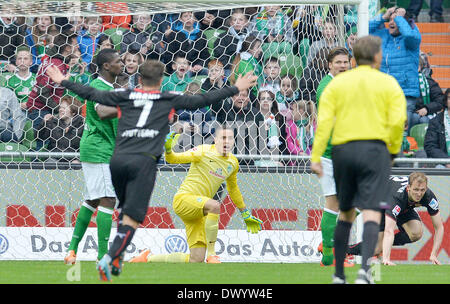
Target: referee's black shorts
{"x": 133, "y": 177}
{"x": 361, "y": 172}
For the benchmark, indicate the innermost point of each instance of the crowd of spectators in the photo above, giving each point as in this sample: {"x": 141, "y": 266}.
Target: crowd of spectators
{"x": 204, "y": 51}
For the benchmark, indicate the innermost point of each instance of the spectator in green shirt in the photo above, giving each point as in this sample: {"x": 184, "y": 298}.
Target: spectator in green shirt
{"x": 338, "y": 62}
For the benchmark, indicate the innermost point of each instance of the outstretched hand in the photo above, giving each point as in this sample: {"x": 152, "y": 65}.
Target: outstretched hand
{"x": 171, "y": 141}
{"x": 388, "y": 263}
{"x": 389, "y": 12}
{"x": 246, "y": 81}
{"x": 55, "y": 74}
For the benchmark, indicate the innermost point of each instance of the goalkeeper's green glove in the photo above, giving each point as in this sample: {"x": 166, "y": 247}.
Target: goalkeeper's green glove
{"x": 171, "y": 141}
{"x": 253, "y": 223}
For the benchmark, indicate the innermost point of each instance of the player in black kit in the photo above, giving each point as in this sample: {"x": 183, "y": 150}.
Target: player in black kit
{"x": 143, "y": 126}
{"x": 407, "y": 193}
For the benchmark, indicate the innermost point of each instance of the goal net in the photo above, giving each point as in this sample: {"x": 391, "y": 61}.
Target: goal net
{"x": 205, "y": 45}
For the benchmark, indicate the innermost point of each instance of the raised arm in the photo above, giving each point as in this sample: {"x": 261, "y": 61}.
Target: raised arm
{"x": 107, "y": 98}
{"x": 193, "y": 102}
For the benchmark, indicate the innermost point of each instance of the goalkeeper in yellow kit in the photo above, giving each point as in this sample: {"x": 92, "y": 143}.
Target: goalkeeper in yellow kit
{"x": 211, "y": 165}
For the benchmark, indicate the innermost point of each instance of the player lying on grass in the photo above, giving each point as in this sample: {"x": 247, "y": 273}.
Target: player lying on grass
{"x": 211, "y": 165}
{"x": 408, "y": 193}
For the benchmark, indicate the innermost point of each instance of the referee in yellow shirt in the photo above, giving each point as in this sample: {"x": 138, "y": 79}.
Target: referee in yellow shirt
{"x": 211, "y": 165}
{"x": 364, "y": 112}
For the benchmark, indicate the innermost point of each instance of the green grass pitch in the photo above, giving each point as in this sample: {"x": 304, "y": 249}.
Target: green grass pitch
{"x": 46, "y": 272}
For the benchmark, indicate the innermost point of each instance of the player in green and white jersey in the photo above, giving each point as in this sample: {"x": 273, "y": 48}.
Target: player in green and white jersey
{"x": 96, "y": 148}
{"x": 22, "y": 81}
{"x": 338, "y": 62}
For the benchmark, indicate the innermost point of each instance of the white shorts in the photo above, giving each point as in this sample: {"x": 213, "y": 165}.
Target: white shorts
{"x": 327, "y": 180}
{"x": 97, "y": 178}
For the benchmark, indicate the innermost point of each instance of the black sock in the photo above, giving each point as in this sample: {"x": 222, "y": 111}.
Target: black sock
{"x": 341, "y": 236}
{"x": 370, "y": 240}
{"x": 121, "y": 241}
{"x": 354, "y": 249}
{"x": 401, "y": 238}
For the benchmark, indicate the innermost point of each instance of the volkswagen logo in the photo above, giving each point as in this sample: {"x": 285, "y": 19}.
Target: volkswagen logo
{"x": 175, "y": 243}
{"x": 3, "y": 244}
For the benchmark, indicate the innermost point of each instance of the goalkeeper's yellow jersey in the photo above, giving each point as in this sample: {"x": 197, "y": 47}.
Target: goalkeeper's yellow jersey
{"x": 208, "y": 171}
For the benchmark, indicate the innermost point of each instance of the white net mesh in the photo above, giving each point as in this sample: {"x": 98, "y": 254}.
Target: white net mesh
{"x": 204, "y": 46}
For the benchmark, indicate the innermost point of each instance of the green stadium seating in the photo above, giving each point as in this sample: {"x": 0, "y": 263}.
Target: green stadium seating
{"x": 211, "y": 36}
{"x": 303, "y": 50}
{"x": 418, "y": 132}
{"x": 13, "y": 147}
{"x": 4, "y": 78}
{"x": 276, "y": 49}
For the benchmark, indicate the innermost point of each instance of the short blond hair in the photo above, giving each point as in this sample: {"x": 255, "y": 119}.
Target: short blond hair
{"x": 419, "y": 177}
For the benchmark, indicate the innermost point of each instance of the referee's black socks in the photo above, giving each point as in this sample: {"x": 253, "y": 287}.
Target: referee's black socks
{"x": 123, "y": 238}
{"x": 400, "y": 238}
{"x": 341, "y": 237}
{"x": 369, "y": 242}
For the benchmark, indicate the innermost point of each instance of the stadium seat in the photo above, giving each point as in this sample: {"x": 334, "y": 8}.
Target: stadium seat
{"x": 13, "y": 147}
{"x": 211, "y": 36}
{"x": 290, "y": 64}
{"x": 418, "y": 132}
{"x": 116, "y": 36}
{"x": 276, "y": 48}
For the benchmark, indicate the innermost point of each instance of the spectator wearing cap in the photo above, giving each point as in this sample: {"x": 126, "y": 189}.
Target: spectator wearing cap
{"x": 432, "y": 99}
{"x": 178, "y": 80}
{"x": 186, "y": 36}
{"x": 142, "y": 37}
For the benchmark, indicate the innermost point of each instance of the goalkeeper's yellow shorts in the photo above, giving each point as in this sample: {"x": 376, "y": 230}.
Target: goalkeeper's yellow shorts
{"x": 189, "y": 208}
